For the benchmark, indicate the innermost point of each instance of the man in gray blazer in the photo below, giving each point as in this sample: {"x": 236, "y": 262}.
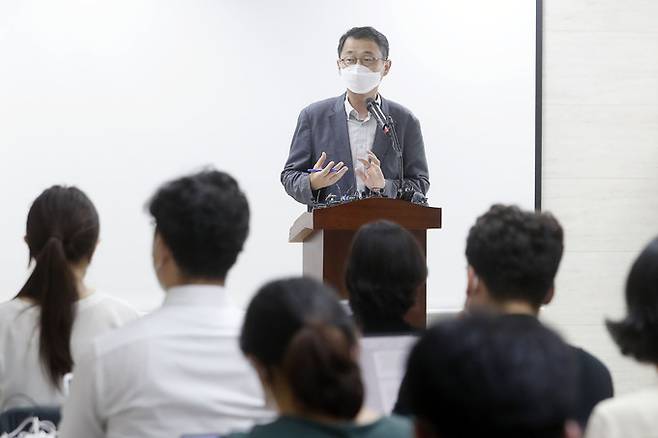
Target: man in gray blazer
{"x": 338, "y": 149}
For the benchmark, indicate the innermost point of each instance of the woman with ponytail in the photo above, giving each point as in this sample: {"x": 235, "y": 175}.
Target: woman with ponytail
{"x": 55, "y": 315}
{"x": 304, "y": 348}
{"x": 635, "y": 414}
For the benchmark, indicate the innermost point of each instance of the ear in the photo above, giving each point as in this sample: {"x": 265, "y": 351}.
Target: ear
{"x": 25, "y": 238}
{"x": 387, "y": 67}
{"x": 475, "y": 293}
{"x": 472, "y": 282}
{"x": 549, "y": 296}
{"x": 161, "y": 252}
{"x": 572, "y": 430}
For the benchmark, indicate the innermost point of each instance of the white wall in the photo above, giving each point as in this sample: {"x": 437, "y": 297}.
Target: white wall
{"x": 600, "y": 161}
{"x": 118, "y": 96}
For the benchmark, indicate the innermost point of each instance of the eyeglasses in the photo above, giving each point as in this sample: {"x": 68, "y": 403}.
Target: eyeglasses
{"x": 367, "y": 61}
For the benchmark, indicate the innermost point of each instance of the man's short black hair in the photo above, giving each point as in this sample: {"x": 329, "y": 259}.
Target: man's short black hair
{"x": 204, "y": 219}
{"x": 486, "y": 375}
{"x": 365, "y": 33}
{"x": 516, "y": 253}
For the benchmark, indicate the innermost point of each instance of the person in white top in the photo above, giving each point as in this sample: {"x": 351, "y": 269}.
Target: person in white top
{"x": 55, "y": 315}
{"x": 178, "y": 370}
{"x": 634, "y": 415}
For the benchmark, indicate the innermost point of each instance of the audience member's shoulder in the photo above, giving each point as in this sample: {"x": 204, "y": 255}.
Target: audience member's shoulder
{"x": 100, "y": 302}
{"x": 12, "y": 306}
{"x": 282, "y": 426}
{"x": 591, "y": 364}
{"x": 12, "y": 310}
{"x": 134, "y": 336}
{"x": 630, "y": 415}
{"x": 394, "y": 426}
{"x": 643, "y": 403}
{"x": 389, "y": 427}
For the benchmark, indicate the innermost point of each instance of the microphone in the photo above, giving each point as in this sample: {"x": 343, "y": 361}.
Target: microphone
{"x": 388, "y": 126}
{"x": 375, "y": 110}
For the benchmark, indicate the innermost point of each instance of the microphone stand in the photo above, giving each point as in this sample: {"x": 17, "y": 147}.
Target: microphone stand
{"x": 387, "y": 124}
{"x": 397, "y": 147}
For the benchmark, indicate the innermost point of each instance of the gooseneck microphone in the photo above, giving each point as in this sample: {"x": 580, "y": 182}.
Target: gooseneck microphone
{"x": 386, "y": 122}
{"x": 375, "y": 110}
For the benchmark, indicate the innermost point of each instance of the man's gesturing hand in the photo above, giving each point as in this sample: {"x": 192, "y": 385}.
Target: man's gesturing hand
{"x": 329, "y": 174}
{"x": 371, "y": 174}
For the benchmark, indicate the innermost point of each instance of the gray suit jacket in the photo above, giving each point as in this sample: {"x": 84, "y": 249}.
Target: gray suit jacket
{"x": 322, "y": 126}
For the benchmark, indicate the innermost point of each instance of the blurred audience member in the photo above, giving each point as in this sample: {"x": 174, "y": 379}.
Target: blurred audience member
{"x": 634, "y": 415}
{"x": 384, "y": 270}
{"x": 55, "y": 316}
{"x": 304, "y": 347}
{"x": 179, "y": 369}
{"x": 491, "y": 376}
{"x": 513, "y": 257}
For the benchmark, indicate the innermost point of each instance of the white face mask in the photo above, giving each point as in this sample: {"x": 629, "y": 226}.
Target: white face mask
{"x": 359, "y": 79}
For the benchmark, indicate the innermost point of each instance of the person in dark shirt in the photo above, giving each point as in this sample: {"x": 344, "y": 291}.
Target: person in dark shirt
{"x": 385, "y": 267}
{"x": 513, "y": 257}
{"x": 486, "y": 375}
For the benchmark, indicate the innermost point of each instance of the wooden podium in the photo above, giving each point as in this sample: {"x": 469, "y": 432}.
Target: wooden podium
{"x": 327, "y": 235}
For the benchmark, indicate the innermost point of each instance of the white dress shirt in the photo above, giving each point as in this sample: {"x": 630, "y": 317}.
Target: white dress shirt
{"x": 23, "y": 379}
{"x": 383, "y": 361}
{"x": 362, "y": 137}
{"x": 633, "y": 415}
{"x": 176, "y": 371}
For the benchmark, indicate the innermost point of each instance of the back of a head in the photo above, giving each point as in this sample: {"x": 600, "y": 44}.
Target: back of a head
{"x": 492, "y": 376}
{"x": 637, "y": 334}
{"x": 62, "y": 230}
{"x": 384, "y": 269}
{"x": 204, "y": 220}
{"x": 298, "y": 328}
{"x": 516, "y": 253}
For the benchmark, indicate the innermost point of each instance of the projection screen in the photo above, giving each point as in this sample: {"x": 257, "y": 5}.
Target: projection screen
{"x": 118, "y": 96}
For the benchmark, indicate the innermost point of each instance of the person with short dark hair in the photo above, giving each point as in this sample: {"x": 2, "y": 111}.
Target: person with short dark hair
{"x": 178, "y": 370}
{"x": 513, "y": 257}
{"x": 384, "y": 269}
{"x": 634, "y": 415}
{"x": 304, "y": 347}
{"x": 56, "y": 315}
{"x": 337, "y": 148}
{"x": 486, "y": 375}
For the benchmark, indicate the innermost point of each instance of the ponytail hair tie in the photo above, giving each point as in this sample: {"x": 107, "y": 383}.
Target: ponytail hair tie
{"x": 56, "y": 238}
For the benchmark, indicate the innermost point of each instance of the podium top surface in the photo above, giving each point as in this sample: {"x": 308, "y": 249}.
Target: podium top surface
{"x": 352, "y": 215}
